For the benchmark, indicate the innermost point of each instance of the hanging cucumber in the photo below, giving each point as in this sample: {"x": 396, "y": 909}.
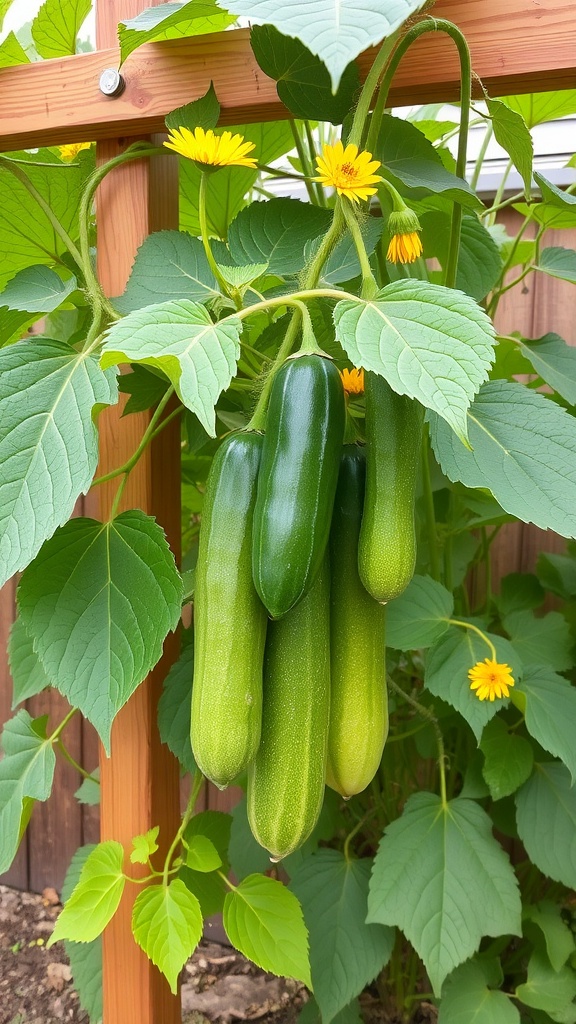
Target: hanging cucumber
{"x": 387, "y": 549}
{"x": 359, "y": 699}
{"x": 229, "y": 618}
{"x": 297, "y": 479}
{"x": 286, "y": 779}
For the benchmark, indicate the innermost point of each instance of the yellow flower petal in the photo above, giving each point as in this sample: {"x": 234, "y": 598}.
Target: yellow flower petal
{"x": 348, "y": 171}
{"x": 71, "y": 151}
{"x": 490, "y": 679}
{"x": 404, "y": 248}
{"x": 210, "y": 150}
{"x": 353, "y": 381}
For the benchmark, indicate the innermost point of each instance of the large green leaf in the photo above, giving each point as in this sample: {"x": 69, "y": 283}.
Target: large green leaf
{"x": 95, "y": 898}
{"x": 275, "y": 232}
{"x": 98, "y": 602}
{"x": 167, "y": 924}
{"x": 345, "y": 952}
{"x": 523, "y": 449}
{"x": 431, "y": 343}
{"x": 168, "y": 265}
{"x": 26, "y": 669}
{"x": 554, "y": 361}
{"x": 412, "y": 162}
{"x": 85, "y": 957}
{"x": 546, "y": 988}
{"x": 468, "y": 999}
{"x": 536, "y": 108}
{"x": 48, "y": 441}
{"x": 541, "y": 641}
{"x": 302, "y": 80}
{"x": 512, "y": 133}
{"x": 27, "y": 236}
{"x": 178, "y": 337}
{"x": 174, "y": 705}
{"x": 12, "y": 52}
{"x": 479, "y": 260}
{"x": 264, "y": 921}
{"x": 335, "y": 31}
{"x": 446, "y": 673}
{"x": 440, "y": 875}
{"x": 546, "y": 819}
{"x": 56, "y": 26}
{"x": 36, "y": 290}
{"x": 26, "y": 772}
{"x": 508, "y": 759}
{"x": 551, "y": 713}
{"x": 419, "y": 617}
{"x": 557, "y": 262}
{"x": 171, "y": 21}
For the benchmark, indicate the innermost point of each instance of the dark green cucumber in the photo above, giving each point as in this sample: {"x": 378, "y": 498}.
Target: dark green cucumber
{"x": 229, "y": 618}
{"x": 387, "y": 549}
{"x": 358, "y": 694}
{"x": 286, "y": 779}
{"x": 297, "y": 480}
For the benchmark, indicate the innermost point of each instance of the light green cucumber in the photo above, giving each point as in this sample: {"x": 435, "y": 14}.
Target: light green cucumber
{"x": 229, "y": 618}
{"x": 358, "y": 694}
{"x": 286, "y": 779}
{"x": 387, "y": 547}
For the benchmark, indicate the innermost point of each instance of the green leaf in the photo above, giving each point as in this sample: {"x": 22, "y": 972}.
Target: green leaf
{"x": 440, "y": 875}
{"x": 144, "y": 846}
{"x": 202, "y": 855}
{"x": 551, "y": 713}
{"x": 557, "y": 573}
{"x": 264, "y": 921}
{"x": 56, "y": 26}
{"x": 419, "y": 617}
{"x": 557, "y": 935}
{"x": 310, "y": 1013}
{"x": 48, "y": 442}
{"x": 431, "y": 343}
{"x": 174, "y": 705}
{"x": 411, "y": 162}
{"x": 36, "y": 290}
{"x": 479, "y": 260}
{"x": 13, "y": 324}
{"x": 167, "y": 924}
{"x": 546, "y": 988}
{"x": 168, "y": 265}
{"x": 12, "y": 52}
{"x": 447, "y": 667}
{"x": 557, "y": 262}
{"x": 466, "y": 997}
{"x": 541, "y": 641}
{"x": 246, "y": 855}
{"x": 546, "y": 819}
{"x": 198, "y": 356}
{"x": 275, "y": 232}
{"x": 145, "y": 387}
{"x": 508, "y": 759}
{"x": 345, "y": 952}
{"x": 337, "y": 32}
{"x": 85, "y": 958}
{"x": 201, "y": 113}
{"x": 89, "y": 791}
{"x": 538, "y": 107}
{"x": 26, "y": 669}
{"x": 209, "y": 888}
{"x": 171, "y": 21}
{"x": 302, "y": 80}
{"x": 26, "y": 771}
{"x": 553, "y": 195}
{"x": 512, "y": 133}
{"x": 518, "y": 592}
{"x": 523, "y": 449}
{"x": 554, "y": 361}
{"x": 98, "y": 602}
{"x": 95, "y": 898}
{"x": 239, "y": 277}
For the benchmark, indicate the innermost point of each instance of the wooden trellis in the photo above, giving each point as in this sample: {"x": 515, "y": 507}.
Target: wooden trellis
{"x": 516, "y": 45}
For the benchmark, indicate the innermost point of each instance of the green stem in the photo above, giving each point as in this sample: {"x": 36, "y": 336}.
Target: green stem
{"x": 150, "y": 432}
{"x": 197, "y": 780}
{"x": 327, "y": 244}
{"x": 369, "y": 285}
{"x": 362, "y": 111}
{"x": 81, "y": 771}
{"x": 46, "y": 209}
{"x": 224, "y": 286}
{"x": 276, "y": 172}
{"x": 53, "y": 738}
{"x": 430, "y": 717}
{"x": 431, "y": 532}
{"x": 478, "y": 631}
{"x": 481, "y": 155}
{"x": 501, "y": 206}
{"x": 312, "y": 150}
{"x": 355, "y": 830}
{"x": 500, "y": 191}
{"x": 304, "y": 162}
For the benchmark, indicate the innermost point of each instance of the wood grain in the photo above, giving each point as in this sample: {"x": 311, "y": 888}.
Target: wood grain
{"x": 516, "y": 45}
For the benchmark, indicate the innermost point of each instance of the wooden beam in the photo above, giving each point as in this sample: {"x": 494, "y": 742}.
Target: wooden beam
{"x": 517, "y": 46}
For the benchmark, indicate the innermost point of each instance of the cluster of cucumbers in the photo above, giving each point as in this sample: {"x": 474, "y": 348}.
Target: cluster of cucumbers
{"x": 303, "y": 541}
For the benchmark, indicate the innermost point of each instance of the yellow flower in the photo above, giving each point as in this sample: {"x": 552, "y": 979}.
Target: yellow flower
{"x": 490, "y": 679}
{"x": 404, "y": 248}
{"x": 71, "y": 151}
{"x": 353, "y": 381}
{"x": 209, "y": 150}
{"x": 351, "y": 173}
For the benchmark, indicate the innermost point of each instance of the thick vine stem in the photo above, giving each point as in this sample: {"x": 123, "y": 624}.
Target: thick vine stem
{"x": 430, "y": 717}
{"x": 369, "y": 285}
{"x": 478, "y": 631}
{"x": 362, "y": 111}
{"x": 197, "y": 780}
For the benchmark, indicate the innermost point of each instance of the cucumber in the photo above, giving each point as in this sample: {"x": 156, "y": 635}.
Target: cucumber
{"x": 297, "y": 480}
{"x": 387, "y": 548}
{"x": 359, "y": 698}
{"x": 229, "y": 618}
{"x": 286, "y": 779}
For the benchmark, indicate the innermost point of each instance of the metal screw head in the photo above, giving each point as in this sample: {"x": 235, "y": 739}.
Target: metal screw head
{"x": 111, "y": 82}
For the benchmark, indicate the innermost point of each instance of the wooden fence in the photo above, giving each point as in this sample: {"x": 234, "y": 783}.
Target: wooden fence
{"x": 61, "y": 824}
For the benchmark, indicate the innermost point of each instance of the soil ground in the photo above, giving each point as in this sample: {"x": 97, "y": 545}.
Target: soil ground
{"x": 218, "y": 984}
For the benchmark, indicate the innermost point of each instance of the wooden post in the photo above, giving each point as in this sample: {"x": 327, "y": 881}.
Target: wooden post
{"x": 140, "y": 781}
